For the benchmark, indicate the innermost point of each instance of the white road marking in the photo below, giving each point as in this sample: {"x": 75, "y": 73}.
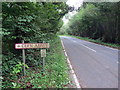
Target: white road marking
{"x": 88, "y": 48}
{"x": 74, "y": 41}
{"x": 65, "y": 53}
{"x": 98, "y": 44}
{"x": 72, "y": 71}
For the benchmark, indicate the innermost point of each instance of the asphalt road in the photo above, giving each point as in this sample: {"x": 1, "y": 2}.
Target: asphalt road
{"x": 96, "y": 66}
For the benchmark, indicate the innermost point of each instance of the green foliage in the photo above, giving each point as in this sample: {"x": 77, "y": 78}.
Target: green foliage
{"x": 33, "y": 23}
{"x": 18, "y": 68}
{"x": 55, "y": 75}
{"x": 15, "y": 85}
{"x": 96, "y": 21}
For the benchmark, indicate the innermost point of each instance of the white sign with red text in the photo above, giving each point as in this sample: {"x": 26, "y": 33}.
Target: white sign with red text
{"x": 31, "y": 45}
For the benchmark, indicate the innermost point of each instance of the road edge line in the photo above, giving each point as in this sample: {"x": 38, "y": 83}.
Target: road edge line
{"x": 72, "y": 71}
{"x": 88, "y": 47}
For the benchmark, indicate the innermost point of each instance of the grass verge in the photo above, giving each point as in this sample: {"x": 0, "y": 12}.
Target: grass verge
{"x": 117, "y": 46}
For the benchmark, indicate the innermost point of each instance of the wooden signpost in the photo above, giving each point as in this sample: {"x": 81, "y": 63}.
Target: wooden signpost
{"x": 24, "y": 46}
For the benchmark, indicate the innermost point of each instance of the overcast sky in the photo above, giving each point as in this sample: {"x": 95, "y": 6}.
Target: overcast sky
{"x": 73, "y": 3}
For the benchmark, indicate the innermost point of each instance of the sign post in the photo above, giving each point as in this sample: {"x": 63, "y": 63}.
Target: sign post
{"x": 24, "y": 46}
{"x": 23, "y": 54}
{"x": 43, "y": 55}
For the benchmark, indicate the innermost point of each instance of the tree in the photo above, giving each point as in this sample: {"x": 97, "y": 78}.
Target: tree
{"x": 31, "y": 22}
{"x": 96, "y": 21}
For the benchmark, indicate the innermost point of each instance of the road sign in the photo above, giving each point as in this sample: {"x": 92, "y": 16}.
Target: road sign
{"x": 31, "y": 45}
{"x": 43, "y": 52}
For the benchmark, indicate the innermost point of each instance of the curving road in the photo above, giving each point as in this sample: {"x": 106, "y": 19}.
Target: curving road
{"x": 96, "y": 66}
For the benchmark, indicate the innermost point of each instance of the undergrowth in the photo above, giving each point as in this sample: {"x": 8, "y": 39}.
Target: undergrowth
{"x": 54, "y": 76}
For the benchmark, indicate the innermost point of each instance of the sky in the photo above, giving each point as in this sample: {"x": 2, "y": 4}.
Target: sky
{"x": 73, "y": 3}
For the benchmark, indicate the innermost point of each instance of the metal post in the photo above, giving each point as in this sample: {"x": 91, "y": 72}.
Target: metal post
{"x": 43, "y": 62}
{"x": 23, "y": 54}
